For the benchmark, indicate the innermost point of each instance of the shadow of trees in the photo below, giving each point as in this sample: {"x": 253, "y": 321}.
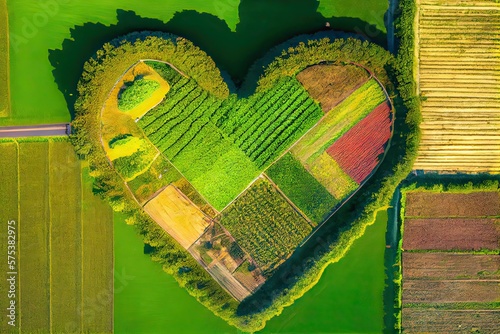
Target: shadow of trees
{"x": 262, "y": 25}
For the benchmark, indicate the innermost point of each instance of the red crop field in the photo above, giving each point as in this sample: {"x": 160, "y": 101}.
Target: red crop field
{"x": 358, "y": 150}
{"x": 451, "y": 234}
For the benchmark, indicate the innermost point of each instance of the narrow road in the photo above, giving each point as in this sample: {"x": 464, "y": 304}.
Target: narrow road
{"x": 34, "y": 130}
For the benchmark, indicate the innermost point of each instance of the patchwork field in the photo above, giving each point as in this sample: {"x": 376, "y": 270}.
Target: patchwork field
{"x": 459, "y": 82}
{"x": 64, "y": 240}
{"x": 4, "y": 60}
{"x": 446, "y": 287}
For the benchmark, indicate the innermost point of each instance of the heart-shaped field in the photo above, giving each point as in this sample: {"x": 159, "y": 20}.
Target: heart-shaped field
{"x": 239, "y": 183}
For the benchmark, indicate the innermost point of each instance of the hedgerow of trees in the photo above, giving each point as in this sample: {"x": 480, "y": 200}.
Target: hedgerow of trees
{"x": 300, "y": 272}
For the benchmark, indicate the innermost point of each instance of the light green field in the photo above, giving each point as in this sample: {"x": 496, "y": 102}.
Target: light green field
{"x": 57, "y": 216}
{"x": 227, "y": 30}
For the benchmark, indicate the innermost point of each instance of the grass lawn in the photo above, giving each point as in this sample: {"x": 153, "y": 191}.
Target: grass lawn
{"x": 149, "y": 301}
{"x": 349, "y": 296}
{"x": 8, "y": 187}
{"x": 235, "y": 36}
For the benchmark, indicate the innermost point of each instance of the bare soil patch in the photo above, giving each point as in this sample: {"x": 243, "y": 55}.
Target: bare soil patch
{"x": 331, "y": 84}
{"x": 450, "y": 291}
{"x": 425, "y": 204}
{"x": 451, "y": 234}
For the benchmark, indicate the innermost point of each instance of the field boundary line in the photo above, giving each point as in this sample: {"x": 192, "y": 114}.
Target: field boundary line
{"x": 275, "y": 186}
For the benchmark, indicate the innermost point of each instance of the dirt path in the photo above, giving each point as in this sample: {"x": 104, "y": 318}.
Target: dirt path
{"x": 45, "y": 130}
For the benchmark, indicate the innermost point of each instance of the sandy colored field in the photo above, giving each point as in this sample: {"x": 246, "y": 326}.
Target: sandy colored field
{"x": 451, "y": 234}
{"x": 427, "y": 266}
{"x": 450, "y": 291}
{"x": 459, "y": 74}
{"x": 424, "y": 204}
{"x": 177, "y": 216}
{"x": 330, "y": 84}
{"x": 429, "y": 320}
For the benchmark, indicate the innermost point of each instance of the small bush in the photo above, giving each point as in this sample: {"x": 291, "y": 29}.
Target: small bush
{"x": 135, "y": 93}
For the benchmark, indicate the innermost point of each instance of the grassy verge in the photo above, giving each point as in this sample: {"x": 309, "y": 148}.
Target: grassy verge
{"x": 65, "y": 238}
{"x": 34, "y": 237}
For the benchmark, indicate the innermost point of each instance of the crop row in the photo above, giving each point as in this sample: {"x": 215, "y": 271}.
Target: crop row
{"x": 266, "y": 123}
{"x": 265, "y": 225}
{"x": 358, "y": 151}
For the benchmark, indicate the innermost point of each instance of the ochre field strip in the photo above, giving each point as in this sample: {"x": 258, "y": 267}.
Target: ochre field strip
{"x": 97, "y": 261}
{"x": 8, "y": 211}
{"x": 34, "y": 236}
{"x": 65, "y": 250}
{"x": 459, "y": 80}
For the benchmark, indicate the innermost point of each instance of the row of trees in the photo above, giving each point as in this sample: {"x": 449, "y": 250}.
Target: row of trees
{"x": 300, "y": 272}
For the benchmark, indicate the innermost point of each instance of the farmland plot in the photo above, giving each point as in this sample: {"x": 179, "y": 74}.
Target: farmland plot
{"x": 4, "y": 60}
{"x": 423, "y": 320}
{"x": 446, "y": 288}
{"x": 459, "y": 81}
{"x": 422, "y": 204}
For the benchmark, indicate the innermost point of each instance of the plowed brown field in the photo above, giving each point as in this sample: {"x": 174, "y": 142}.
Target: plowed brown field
{"x": 424, "y": 204}
{"x": 429, "y": 320}
{"x": 450, "y": 291}
{"x": 450, "y": 266}
{"x": 451, "y": 234}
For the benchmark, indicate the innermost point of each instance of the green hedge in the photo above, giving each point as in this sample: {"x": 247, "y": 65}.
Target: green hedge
{"x": 304, "y": 268}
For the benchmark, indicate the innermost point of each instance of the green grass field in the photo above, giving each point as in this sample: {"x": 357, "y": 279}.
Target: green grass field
{"x": 4, "y": 60}
{"x": 349, "y": 296}
{"x": 8, "y": 187}
{"x": 228, "y": 34}
{"x": 65, "y": 247}
{"x": 302, "y": 188}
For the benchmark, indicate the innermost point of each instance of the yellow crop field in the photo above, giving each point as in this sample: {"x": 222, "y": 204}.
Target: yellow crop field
{"x": 177, "y": 216}
{"x": 458, "y": 77}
